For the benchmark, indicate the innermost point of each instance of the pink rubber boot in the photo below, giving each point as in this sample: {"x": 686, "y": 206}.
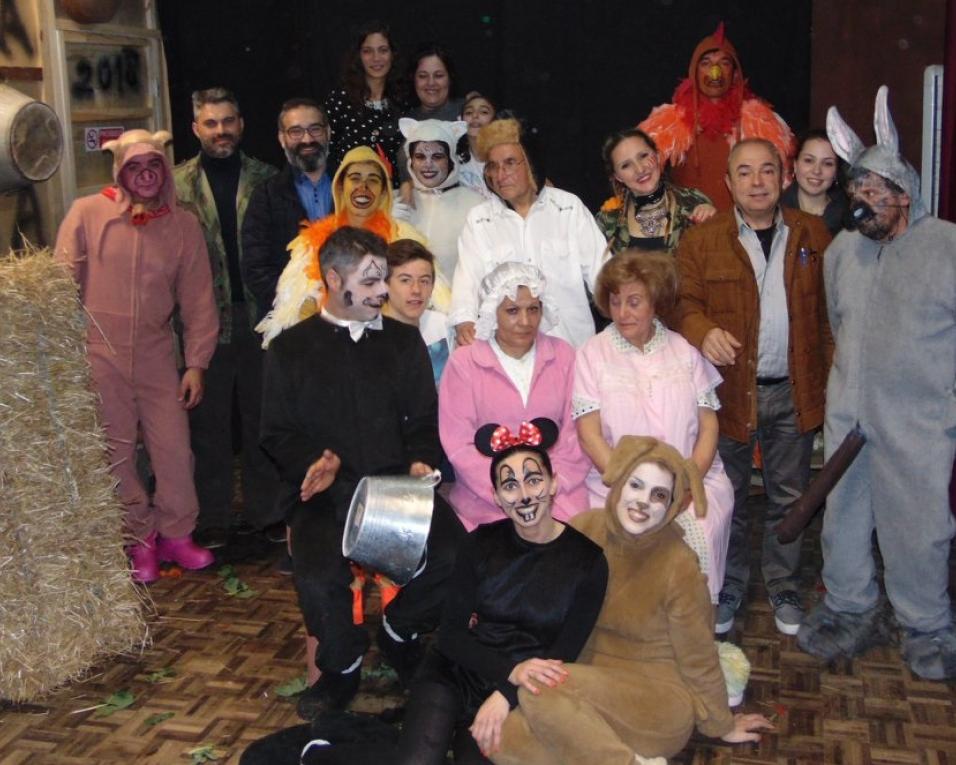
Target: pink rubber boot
{"x": 184, "y": 552}
{"x": 144, "y": 560}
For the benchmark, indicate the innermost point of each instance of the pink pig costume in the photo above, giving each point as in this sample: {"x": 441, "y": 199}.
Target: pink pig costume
{"x": 133, "y": 269}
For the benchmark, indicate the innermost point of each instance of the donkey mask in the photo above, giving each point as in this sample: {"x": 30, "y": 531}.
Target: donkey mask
{"x": 884, "y": 158}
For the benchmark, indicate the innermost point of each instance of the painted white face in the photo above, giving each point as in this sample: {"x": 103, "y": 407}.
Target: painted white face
{"x": 430, "y": 163}
{"x": 364, "y": 290}
{"x": 645, "y": 498}
{"x": 524, "y": 489}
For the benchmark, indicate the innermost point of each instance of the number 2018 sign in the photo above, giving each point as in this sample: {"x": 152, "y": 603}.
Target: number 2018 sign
{"x": 105, "y": 76}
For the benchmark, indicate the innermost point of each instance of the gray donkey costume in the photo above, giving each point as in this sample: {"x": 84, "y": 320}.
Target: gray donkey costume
{"x": 891, "y": 296}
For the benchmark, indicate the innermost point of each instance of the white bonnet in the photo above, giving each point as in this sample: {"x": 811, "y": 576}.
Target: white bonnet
{"x": 503, "y": 282}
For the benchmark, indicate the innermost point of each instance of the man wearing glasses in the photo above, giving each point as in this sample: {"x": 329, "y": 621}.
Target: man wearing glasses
{"x": 527, "y": 221}
{"x": 302, "y": 191}
{"x": 216, "y": 186}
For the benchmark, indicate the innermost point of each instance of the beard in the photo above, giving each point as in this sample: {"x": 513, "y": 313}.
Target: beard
{"x": 223, "y": 148}
{"x": 875, "y": 229}
{"x": 307, "y": 163}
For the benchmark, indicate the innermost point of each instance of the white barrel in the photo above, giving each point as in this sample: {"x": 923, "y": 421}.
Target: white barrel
{"x": 388, "y": 522}
{"x": 31, "y": 140}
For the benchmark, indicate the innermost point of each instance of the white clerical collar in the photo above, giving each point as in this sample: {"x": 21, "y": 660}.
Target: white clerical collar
{"x": 356, "y": 328}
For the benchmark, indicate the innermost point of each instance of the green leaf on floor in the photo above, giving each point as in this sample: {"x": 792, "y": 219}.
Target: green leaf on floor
{"x": 204, "y": 753}
{"x": 292, "y": 688}
{"x": 116, "y": 702}
{"x": 158, "y": 718}
{"x": 237, "y": 588}
{"x": 227, "y": 571}
{"x": 161, "y": 675}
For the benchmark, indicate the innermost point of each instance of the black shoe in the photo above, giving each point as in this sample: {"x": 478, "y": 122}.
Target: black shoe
{"x": 242, "y": 528}
{"x": 285, "y": 565}
{"x": 211, "y": 538}
{"x": 275, "y": 532}
{"x": 404, "y": 657}
{"x": 333, "y": 692}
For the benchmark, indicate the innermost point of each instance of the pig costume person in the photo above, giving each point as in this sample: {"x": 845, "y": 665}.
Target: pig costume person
{"x": 650, "y": 673}
{"x": 891, "y": 297}
{"x": 136, "y": 257}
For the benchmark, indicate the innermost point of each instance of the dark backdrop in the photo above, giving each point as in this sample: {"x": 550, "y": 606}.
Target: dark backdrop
{"x": 578, "y": 70}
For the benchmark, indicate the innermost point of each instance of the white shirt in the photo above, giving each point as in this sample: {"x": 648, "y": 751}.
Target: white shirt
{"x": 356, "y": 328}
{"x": 519, "y": 371}
{"x": 433, "y": 326}
{"x": 773, "y": 338}
{"x": 559, "y": 236}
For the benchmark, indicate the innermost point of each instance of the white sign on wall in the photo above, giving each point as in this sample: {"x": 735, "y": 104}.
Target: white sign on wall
{"x": 95, "y": 137}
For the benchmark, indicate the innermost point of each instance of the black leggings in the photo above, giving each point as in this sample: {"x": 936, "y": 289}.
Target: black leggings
{"x": 432, "y": 726}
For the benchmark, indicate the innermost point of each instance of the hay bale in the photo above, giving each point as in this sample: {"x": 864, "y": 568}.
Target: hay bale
{"x": 66, "y": 597}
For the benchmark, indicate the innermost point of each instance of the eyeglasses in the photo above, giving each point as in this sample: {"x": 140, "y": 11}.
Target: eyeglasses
{"x": 297, "y": 133}
{"x": 509, "y": 166}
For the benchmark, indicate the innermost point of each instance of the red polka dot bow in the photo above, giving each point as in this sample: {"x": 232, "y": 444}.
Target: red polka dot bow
{"x": 528, "y": 434}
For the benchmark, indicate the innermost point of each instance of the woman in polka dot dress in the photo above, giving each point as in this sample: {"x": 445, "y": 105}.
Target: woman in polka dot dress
{"x": 365, "y": 111}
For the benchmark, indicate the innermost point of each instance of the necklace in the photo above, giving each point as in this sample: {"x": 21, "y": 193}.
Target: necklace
{"x": 651, "y": 221}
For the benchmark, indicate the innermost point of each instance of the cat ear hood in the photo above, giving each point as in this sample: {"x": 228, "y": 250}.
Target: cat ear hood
{"x": 448, "y": 133}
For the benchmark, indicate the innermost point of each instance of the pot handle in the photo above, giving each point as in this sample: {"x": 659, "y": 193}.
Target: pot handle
{"x": 432, "y": 479}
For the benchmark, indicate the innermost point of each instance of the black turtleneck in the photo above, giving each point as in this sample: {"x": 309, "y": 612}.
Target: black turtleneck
{"x": 223, "y": 178}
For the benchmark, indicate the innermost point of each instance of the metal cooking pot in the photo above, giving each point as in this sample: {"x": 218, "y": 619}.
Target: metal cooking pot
{"x": 388, "y": 521}
{"x": 31, "y": 140}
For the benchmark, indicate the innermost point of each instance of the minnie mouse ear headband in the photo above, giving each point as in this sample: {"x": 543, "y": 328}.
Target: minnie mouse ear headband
{"x": 493, "y": 439}
{"x": 503, "y": 282}
{"x": 497, "y": 441}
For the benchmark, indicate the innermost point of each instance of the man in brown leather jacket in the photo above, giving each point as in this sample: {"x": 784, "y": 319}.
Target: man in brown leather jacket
{"x": 752, "y": 300}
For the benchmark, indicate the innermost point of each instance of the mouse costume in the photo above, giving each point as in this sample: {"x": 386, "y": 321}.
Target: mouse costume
{"x": 650, "y": 672}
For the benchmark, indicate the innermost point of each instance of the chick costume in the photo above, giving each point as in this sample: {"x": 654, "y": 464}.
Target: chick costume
{"x": 300, "y": 291}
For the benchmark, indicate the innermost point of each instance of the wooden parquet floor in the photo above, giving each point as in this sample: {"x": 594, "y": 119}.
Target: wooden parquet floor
{"x": 230, "y": 654}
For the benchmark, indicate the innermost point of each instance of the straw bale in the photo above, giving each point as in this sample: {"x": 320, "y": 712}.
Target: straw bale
{"x": 66, "y": 597}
